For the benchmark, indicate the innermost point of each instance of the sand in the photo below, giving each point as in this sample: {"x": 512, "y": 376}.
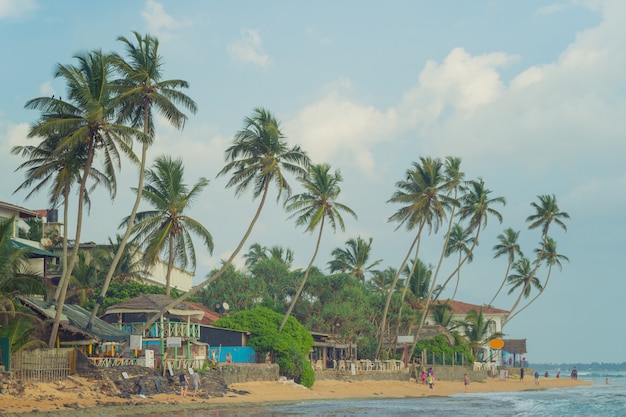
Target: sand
{"x": 71, "y": 397}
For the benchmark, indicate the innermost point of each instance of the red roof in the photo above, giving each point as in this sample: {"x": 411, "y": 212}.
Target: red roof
{"x": 459, "y": 307}
{"x": 209, "y": 315}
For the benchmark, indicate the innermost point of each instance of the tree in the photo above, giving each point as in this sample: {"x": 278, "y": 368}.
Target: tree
{"x": 523, "y": 277}
{"x": 255, "y": 254}
{"x": 141, "y": 91}
{"x": 354, "y": 258}
{"x": 507, "y": 246}
{"x": 167, "y": 229}
{"x": 312, "y": 208}
{"x": 85, "y": 122}
{"x": 476, "y": 329}
{"x": 258, "y": 156}
{"x": 423, "y": 205}
{"x": 460, "y": 241}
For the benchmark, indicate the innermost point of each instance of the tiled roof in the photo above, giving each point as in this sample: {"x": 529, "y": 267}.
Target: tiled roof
{"x": 459, "y": 307}
{"x": 209, "y": 315}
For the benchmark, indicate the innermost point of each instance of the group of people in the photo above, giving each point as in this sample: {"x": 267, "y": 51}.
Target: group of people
{"x": 184, "y": 380}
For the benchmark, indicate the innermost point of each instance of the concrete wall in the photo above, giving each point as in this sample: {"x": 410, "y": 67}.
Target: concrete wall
{"x": 442, "y": 373}
{"x": 234, "y": 373}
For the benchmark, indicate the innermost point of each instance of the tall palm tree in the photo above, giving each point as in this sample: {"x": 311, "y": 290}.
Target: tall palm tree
{"x": 423, "y": 206}
{"x": 507, "y": 246}
{"x": 354, "y": 258}
{"x": 551, "y": 258}
{"x": 524, "y": 277}
{"x": 460, "y": 241}
{"x": 312, "y": 208}
{"x": 258, "y": 157}
{"x": 477, "y": 207}
{"x": 86, "y": 121}
{"x": 167, "y": 229}
{"x": 142, "y": 92}
{"x": 546, "y": 212}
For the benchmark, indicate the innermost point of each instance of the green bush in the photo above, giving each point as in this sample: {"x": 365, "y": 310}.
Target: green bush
{"x": 290, "y": 347}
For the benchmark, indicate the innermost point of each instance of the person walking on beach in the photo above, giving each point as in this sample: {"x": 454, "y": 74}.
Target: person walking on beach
{"x": 521, "y": 374}
{"x": 431, "y": 382}
{"x": 537, "y": 378}
{"x": 182, "y": 381}
{"x": 466, "y": 382}
{"x": 423, "y": 377}
{"x": 195, "y": 383}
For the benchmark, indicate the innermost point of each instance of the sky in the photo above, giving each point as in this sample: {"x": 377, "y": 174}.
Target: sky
{"x": 531, "y": 95}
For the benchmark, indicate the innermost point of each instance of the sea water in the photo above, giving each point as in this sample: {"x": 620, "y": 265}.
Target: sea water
{"x": 599, "y": 399}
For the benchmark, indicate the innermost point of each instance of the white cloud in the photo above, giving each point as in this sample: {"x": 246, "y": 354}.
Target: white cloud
{"x": 16, "y": 8}
{"x": 158, "y": 22}
{"x": 551, "y": 8}
{"x": 46, "y": 89}
{"x": 249, "y": 49}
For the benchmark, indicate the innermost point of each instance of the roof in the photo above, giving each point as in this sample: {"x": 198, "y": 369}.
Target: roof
{"x": 75, "y": 318}
{"x": 34, "y": 251}
{"x": 459, "y": 307}
{"x": 515, "y": 346}
{"x": 154, "y": 303}
{"x": 23, "y": 212}
{"x": 209, "y": 315}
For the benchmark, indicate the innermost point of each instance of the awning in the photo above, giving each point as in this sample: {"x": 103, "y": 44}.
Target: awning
{"x": 36, "y": 252}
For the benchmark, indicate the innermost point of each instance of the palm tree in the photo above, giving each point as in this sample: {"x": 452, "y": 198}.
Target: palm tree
{"x": 508, "y": 246}
{"x": 476, "y": 329}
{"x": 281, "y": 254}
{"x": 312, "y": 208}
{"x": 143, "y": 90}
{"x": 258, "y": 156}
{"x": 477, "y": 207}
{"x": 84, "y": 280}
{"x": 546, "y": 212}
{"x": 167, "y": 229}
{"x": 523, "y": 277}
{"x": 424, "y": 205}
{"x": 381, "y": 280}
{"x": 551, "y": 258}
{"x": 85, "y": 122}
{"x": 354, "y": 258}
{"x": 255, "y": 254}
{"x": 459, "y": 240}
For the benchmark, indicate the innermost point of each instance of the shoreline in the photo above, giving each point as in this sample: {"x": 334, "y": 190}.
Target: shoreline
{"x": 63, "y": 401}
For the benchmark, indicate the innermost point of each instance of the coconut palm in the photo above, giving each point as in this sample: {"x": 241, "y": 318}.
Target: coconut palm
{"x": 523, "y": 277}
{"x": 167, "y": 229}
{"x": 424, "y": 205}
{"x": 281, "y": 254}
{"x": 142, "y": 91}
{"x": 460, "y": 241}
{"x": 313, "y": 208}
{"x": 507, "y": 246}
{"x": 86, "y": 121}
{"x": 477, "y": 330}
{"x": 258, "y": 157}
{"x": 354, "y": 258}
{"x": 256, "y": 253}
{"x": 551, "y": 258}
{"x": 381, "y": 280}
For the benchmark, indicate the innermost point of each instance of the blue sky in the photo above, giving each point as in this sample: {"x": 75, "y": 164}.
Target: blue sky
{"x": 529, "y": 94}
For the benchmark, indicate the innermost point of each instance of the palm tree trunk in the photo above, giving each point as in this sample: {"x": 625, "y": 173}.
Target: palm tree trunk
{"x": 170, "y": 264}
{"x": 506, "y": 274}
{"x": 218, "y": 274}
{"x": 306, "y": 276}
{"x": 68, "y": 273}
{"x": 533, "y": 300}
{"x": 383, "y": 322}
{"x": 66, "y": 206}
{"x": 122, "y": 246}
{"x": 458, "y": 279}
{"x": 460, "y": 264}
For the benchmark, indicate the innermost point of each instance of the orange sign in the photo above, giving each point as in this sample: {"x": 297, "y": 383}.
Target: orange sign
{"x": 496, "y": 344}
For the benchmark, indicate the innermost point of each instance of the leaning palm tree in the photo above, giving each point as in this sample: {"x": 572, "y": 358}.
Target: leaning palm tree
{"x": 313, "y": 208}
{"x": 551, "y": 258}
{"x": 258, "y": 157}
{"x": 546, "y": 212}
{"x": 142, "y": 92}
{"x": 354, "y": 258}
{"x": 460, "y": 241}
{"x": 167, "y": 229}
{"x": 423, "y": 206}
{"x": 507, "y": 246}
{"x": 524, "y": 278}
{"x": 86, "y": 121}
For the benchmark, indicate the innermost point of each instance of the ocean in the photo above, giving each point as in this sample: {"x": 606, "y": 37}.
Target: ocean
{"x": 598, "y": 399}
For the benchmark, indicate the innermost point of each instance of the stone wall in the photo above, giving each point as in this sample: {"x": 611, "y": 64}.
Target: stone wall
{"x": 442, "y": 373}
{"x": 234, "y": 373}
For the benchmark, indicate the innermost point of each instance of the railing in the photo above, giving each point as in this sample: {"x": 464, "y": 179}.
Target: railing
{"x": 43, "y": 365}
{"x": 111, "y": 362}
{"x": 184, "y": 364}
{"x": 165, "y": 329}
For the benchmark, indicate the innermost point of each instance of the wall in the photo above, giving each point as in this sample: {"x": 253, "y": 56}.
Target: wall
{"x": 234, "y": 373}
{"x": 442, "y": 373}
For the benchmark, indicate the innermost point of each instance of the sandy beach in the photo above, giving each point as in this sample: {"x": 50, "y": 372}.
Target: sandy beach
{"x": 73, "y": 397}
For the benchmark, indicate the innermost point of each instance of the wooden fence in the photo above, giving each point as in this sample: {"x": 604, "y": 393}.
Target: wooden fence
{"x": 44, "y": 365}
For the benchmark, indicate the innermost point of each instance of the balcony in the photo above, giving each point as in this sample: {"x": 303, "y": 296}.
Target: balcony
{"x": 164, "y": 329}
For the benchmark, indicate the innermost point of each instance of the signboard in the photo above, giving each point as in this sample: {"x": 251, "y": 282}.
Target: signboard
{"x": 136, "y": 341}
{"x": 405, "y": 339}
{"x": 174, "y": 342}
{"x": 496, "y": 344}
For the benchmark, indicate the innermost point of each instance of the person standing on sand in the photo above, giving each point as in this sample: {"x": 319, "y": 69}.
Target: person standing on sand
{"x": 466, "y": 382}
{"x": 431, "y": 382}
{"x": 521, "y": 374}
{"x": 182, "y": 381}
{"x": 537, "y": 378}
{"x": 423, "y": 377}
{"x": 195, "y": 383}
